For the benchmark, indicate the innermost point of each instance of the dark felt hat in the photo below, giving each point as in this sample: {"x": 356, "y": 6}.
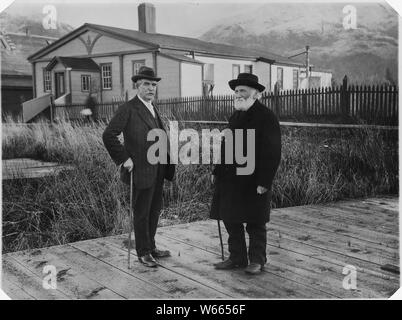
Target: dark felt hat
{"x": 145, "y": 73}
{"x": 246, "y": 79}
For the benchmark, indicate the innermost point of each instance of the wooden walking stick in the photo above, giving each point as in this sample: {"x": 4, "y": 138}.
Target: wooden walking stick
{"x": 220, "y": 238}
{"x": 131, "y": 217}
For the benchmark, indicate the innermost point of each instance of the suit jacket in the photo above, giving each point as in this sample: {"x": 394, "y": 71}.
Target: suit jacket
{"x": 135, "y": 121}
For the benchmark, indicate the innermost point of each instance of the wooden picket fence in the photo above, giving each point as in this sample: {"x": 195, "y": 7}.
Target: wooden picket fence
{"x": 345, "y": 103}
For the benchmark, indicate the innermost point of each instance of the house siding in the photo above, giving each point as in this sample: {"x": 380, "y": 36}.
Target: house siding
{"x": 106, "y": 44}
{"x": 128, "y": 70}
{"x": 78, "y": 96}
{"x": 287, "y": 76}
{"x": 169, "y": 71}
{"x": 191, "y": 79}
{"x": 72, "y": 48}
{"x": 223, "y": 72}
{"x": 39, "y": 78}
{"x": 114, "y": 93}
{"x": 263, "y": 71}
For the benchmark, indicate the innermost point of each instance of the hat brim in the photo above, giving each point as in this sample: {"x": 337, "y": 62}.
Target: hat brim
{"x": 246, "y": 82}
{"x": 139, "y": 77}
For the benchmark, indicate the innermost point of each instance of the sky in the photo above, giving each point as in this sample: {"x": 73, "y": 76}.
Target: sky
{"x": 181, "y": 17}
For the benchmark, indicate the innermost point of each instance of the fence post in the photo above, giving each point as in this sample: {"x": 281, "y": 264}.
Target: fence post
{"x": 304, "y": 101}
{"x": 51, "y": 112}
{"x": 276, "y": 100}
{"x": 345, "y": 98}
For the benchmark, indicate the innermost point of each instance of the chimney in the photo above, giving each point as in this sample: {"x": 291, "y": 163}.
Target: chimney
{"x": 146, "y": 18}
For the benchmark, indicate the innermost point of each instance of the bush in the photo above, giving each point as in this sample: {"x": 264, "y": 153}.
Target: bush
{"x": 318, "y": 165}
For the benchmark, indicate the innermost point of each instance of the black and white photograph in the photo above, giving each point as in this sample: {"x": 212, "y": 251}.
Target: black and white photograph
{"x": 216, "y": 152}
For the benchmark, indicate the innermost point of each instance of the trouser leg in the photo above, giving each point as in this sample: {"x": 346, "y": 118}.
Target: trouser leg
{"x": 236, "y": 242}
{"x": 142, "y": 205}
{"x": 258, "y": 242}
{"x": 156, "y": 206}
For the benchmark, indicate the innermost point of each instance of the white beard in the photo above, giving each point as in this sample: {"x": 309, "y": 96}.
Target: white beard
{"x": 243, "y": 104}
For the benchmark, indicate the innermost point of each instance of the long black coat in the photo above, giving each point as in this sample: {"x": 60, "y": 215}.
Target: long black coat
{"x": 235, "y": 196}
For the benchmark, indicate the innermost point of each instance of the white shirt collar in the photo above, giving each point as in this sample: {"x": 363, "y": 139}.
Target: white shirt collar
{"x": 148, "y": 105}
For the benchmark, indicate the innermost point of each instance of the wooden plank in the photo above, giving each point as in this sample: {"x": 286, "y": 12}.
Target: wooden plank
{"x": 327, "y": 221}
{"x": 364, "y": 212}
{"x": 122, "y": 282}
{"x": 365, "y": 208}
{"x": 312, "y": 125}
{"x": 15, "y": 292}
{"x": 27, "y": 173}
{"x": 276, "y": 239}
{"x": 353, "y": 216}
{"x": 305, "y": 269}
{"x": 72, "y": 282}
{"x": 174, "y": 285}
{"x": 28, "y": 281}
{"x": 336, "y": 243}
{"x": 197, "y": 264}
{"x": 237, "y": 281}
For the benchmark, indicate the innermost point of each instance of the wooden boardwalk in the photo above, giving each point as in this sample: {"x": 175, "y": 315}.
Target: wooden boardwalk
{"x": 25, "y": 168}
{"x": 308, "y": 248}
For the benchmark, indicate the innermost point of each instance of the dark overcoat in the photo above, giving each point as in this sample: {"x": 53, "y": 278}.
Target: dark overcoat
{"x": 134, "y": 120}
{"x": 235, "y": 197}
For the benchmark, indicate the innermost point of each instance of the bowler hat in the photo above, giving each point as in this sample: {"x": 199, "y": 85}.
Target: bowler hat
{"x": 246, "y": 79}
{"x": 145, "y": 73}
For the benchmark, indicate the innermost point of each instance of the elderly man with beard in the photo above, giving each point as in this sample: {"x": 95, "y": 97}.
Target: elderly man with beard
{"x": 240, "y": 198}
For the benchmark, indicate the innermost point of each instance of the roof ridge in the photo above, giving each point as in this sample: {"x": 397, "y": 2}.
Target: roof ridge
{"x": 31, "y": 35}
{"x": 257, "y": 52}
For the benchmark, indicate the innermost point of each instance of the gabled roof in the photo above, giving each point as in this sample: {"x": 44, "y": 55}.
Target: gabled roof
{"x": 74, "y": 63}
{"x": 14, "y": 57}
{"x": 164, "y": 41}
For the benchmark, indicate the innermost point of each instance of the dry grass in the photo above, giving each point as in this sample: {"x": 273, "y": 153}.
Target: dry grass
{"x": 317, "y": 166}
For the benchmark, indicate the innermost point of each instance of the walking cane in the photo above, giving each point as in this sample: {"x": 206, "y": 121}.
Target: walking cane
{"x": 131, "y": 217}
{"x": 220, "y": 238}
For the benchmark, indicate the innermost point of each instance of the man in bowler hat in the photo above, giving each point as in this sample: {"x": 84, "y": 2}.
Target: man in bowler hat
{"x": 135, "y": 119}
{"x": 241, "y": 198}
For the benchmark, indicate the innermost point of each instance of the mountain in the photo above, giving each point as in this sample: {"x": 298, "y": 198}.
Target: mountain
{"x": 19, "y": 24}
{"x": 364, "y": 53}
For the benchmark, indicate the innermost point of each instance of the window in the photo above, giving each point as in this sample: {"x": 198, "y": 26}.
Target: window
{"x": 106, "y": 76}
{"x": 47, "y": 81}
{"x": 235, "y": 70}
{"x": 279, "y": 77}
{"x": 85, "y": 82}
{"x": 137, "y": 64}
{"x": 248, "y": 68}
{"x": 295, "y": 79}
{"x": 209, "y": 72}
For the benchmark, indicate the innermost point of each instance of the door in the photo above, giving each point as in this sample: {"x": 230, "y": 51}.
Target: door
{"x": 59, "y": 84}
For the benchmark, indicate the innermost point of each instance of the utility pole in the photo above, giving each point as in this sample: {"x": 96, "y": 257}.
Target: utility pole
{"x": 306, "y": 52}
{"x": 307, "y": 62}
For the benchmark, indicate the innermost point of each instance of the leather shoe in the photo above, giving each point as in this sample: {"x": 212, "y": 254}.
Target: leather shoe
{"x": 229, "y": 264}
{"x": 160, "y": 253}
{"x": 253, "y": 268}
{"x": 148, "y": 260}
